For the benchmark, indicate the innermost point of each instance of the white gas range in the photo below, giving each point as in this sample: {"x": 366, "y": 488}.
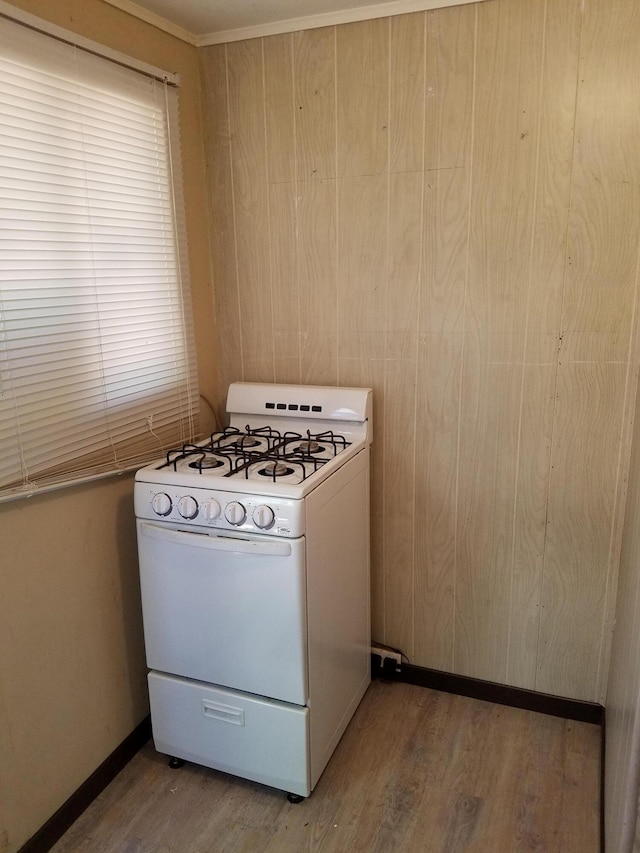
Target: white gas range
{"x": 254, "y": 567}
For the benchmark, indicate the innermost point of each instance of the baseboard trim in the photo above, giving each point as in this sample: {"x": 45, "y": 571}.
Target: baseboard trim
{"x": 70, "y": 811}
{"x": 489, "y": 691}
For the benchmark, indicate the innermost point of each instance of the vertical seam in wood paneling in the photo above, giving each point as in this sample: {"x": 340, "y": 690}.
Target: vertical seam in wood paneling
{"x": 464, "y": 333}
{"x": 386, "y": 315}
{"x": 296, "y": 198}
{"x": 421, "y": 285}
{"x": 233, "y": 207}
{"x": 559, "y": 353}
{"x": 387, "y": 270}
{"x": 534, "y": 206}
{"x": 268, "y": 200}
{"x": 337, "y": 203}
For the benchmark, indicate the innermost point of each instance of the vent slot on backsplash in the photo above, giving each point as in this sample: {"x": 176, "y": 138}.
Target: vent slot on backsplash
{"x": 293, "y": 407}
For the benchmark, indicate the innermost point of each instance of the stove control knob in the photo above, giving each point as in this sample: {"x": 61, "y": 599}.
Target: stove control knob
{"x": 188, "y": 507}
{"x": 235, "y": 513}
{"x": 263, "y": 516}
{"x": 211, "y": 509}
{"x": 161, "y": 504}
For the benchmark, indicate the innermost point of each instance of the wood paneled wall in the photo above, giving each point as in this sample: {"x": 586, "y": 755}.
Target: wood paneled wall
{"x": 622, "y": 764}
{"x": 445, "y": 206}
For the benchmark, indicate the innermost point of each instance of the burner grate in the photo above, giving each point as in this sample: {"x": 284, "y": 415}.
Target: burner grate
{"x": 238, "y": 452}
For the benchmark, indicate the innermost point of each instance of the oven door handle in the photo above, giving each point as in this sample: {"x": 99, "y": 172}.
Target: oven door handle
{"x": 217, "y": 543}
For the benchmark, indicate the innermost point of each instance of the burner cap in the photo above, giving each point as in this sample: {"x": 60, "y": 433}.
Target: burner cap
{"x": 246, "y": 441}
{"x": 310, "y": 447}
{"x": 206, "y": 462}
{"x": 275, "y": 469}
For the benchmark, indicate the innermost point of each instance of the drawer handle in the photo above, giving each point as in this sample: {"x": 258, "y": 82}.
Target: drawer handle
{"x": 224, "y": 713}
{"x": 217, "y": 543}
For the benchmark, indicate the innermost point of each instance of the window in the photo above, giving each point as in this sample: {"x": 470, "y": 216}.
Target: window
{"x": 97, "y": 371}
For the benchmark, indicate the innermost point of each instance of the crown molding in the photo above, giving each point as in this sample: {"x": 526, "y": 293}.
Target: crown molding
{"x": 308, "y": 22}
{"x": 329, "y": 19}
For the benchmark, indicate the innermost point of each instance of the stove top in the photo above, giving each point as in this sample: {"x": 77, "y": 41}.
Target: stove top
{"x": 255, "y": 454}
{"x": 283, "y": 464}
{"x": 282, "y": 442}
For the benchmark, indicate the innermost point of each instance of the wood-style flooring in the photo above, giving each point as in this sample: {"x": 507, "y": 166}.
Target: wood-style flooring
{"x": 417, "y": 770}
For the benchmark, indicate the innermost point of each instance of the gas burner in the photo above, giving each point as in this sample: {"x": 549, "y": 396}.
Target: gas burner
{"x": 245, "y": 442}
{"x": 310, "y": 447}
{"x": 275, "y": 469}
{"x": 316, "y": 449}
{"x": 206, "y": 463}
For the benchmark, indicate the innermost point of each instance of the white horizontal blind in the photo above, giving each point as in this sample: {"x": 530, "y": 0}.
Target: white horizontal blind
{"x": 97, "y": 371}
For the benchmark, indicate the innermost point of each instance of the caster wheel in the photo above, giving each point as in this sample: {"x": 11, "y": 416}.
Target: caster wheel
{"x": 175, "y": 763}
{"x": 295, "y": 798}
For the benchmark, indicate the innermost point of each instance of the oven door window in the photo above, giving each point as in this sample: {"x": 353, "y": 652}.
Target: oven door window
{"x": 225, "y": 610}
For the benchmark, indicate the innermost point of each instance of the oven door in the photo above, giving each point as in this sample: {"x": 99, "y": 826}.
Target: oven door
{"x": 225, "y": 609}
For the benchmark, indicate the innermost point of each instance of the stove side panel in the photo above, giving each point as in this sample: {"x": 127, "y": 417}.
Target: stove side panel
{"x": 338, "y": 604}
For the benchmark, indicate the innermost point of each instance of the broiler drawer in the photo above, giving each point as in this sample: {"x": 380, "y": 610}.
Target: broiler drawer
{"x": 250, "y": 736}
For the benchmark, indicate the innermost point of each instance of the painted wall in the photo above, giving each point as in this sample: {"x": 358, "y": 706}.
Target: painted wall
{"x": 72, "y": 672}
{"x": 445, "y": 206}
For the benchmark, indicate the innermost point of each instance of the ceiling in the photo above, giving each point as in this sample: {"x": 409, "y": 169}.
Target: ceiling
{"x": 203, "y": 22}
